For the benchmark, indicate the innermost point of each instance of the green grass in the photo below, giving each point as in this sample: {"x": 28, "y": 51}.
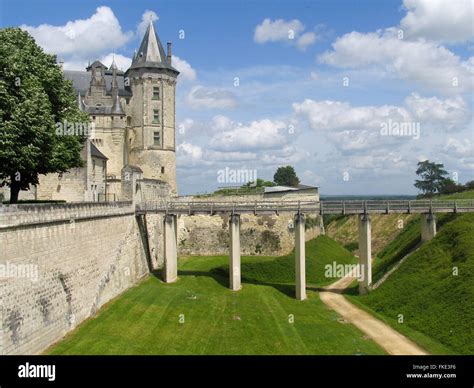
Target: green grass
{"x": 462, "y": 195}
{"x": 432, "y": 300}
{"x": 319, "y": 252}
{"x": 254, "y": 320}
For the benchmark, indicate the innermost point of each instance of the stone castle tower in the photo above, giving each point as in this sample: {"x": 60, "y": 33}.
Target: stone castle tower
{"x": 133, "y": 116}
{"x": 151, "y": 140}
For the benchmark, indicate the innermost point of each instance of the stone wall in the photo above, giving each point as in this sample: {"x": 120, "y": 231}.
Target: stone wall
{"x": 61, "y": 262}
{"x": 259, "y": 235}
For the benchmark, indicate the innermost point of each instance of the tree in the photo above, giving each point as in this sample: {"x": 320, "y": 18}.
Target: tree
{"x": 286, "y": 176}
{"x": 448, "y": 186}
{"x": 433, "y": 177}
{"x": 259, "y": 183}
{"x": 34, "y": 98}
{"x": 469, "y": 185}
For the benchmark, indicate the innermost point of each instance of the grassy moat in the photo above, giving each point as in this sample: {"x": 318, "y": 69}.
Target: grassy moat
{"x": 200, "y": 315}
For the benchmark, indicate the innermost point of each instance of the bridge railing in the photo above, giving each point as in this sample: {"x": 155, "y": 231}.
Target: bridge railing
{"x": 323, "y": 207}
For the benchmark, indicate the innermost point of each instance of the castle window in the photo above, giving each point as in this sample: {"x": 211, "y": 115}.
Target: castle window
{"x": 162, "y": 170}
{"x": 156, "y": 93}
{"x": 129, "y": 121}
{"x": 156, "y": 116}
{"x": 156, "y": 138}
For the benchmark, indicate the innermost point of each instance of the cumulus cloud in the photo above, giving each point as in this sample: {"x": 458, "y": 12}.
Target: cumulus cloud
{"x": 146, "y": 18}
{"x": 330, "y": 115}
{"x": 259, "y": 134}
{"x": 187, "y": 73}
{"x": 439, "y": 20}
{"x": 123, "y": 62}
{"x": 280, "y": 30}
{"x": 200, "y": 97}
{"x": 421, "y": 61}
{"x": 189, "y": 154}
{"x": 359, "y": 128}
{"x": 82, "y": 37}
{"x": 417, "y": 54}
{"x": 449, "y": 114}
{"x": 459, "y": 148}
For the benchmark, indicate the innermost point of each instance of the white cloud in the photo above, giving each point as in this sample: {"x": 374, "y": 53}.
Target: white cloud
{"x": 277, "y": 31}
{"x": 189, "y": 154}
{"x": 261, "y": 134}
{"x": 200, "y": 97}
{"x": 280, "y": 30}
{"x": 123, "y": 62}
{"x": 305, "y": 40}
{"x": 146, "y": 17}
{"x": 421, "y": 61}
{"x": 338, "y": 116}
{"x": 359, "y": 128}
{"x": 449, "y": 114}
{"x": 439, "y": 20}
{"x": 459, "y": 148}
{"x": 82, "y": 37}
{"x": 187, "y": 73}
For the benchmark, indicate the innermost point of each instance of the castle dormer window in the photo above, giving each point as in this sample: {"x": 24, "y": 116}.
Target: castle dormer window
{"x": 156, "y": 93}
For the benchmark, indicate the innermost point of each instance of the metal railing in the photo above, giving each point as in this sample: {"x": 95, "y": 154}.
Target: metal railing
{"x": 321, "y": 207}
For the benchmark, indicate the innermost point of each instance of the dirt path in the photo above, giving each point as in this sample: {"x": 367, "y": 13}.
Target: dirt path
{"x": 389, "y": 339}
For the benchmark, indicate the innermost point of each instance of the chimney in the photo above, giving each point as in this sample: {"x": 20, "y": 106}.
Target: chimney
{"x": 169, "y": 53}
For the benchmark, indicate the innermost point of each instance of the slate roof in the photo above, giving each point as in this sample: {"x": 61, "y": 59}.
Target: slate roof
{"x": 81, "y": 81}
{"x": 151, "y": 52}
{"x": 95, "y": 152}
{"x": 279, "y": 189}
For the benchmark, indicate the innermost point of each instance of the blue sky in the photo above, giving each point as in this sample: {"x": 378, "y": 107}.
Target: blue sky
{"x": 317, "y": 100}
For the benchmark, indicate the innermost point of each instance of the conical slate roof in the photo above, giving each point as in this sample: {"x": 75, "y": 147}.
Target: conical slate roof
{"x": 151, "y": 52}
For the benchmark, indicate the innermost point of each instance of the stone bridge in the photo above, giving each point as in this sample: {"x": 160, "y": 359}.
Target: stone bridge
{"x": 170, "y": 209}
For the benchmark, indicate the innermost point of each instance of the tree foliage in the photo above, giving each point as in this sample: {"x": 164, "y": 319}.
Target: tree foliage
{"x": 286, "y": 176}
{"x": 34, "y": 96}
{"x": 433, "y": 177}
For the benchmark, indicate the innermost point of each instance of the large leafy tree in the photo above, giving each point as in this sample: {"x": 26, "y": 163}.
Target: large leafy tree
{"x": 34, "y": 97}
{"x": 433, "y": 177}
{"x": 286, "y": 176}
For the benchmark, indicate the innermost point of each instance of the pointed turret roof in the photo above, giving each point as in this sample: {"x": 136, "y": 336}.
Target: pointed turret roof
{"x": 113, "y": 66}
{"x": 151, "y": 52}
{"x": 80, "y": 102}
{"x": 117, "y": 106}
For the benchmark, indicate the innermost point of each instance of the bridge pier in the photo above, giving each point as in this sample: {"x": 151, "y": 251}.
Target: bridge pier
{"x": 365, "y": 254}
{"x": 300, "y": 257}
{"x": 234, "y": 257}
{"x": 170, "y": 268}
{"x": 428, "y": 226}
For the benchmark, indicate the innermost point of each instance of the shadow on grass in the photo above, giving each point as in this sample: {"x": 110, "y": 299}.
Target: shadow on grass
{"x": 221, "y": 277}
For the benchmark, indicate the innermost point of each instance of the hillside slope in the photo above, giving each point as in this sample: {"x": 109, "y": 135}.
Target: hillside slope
{"x": 385, "y": 228}
{"x": 433, "y": 290}
{"x": 319, "y": 252}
